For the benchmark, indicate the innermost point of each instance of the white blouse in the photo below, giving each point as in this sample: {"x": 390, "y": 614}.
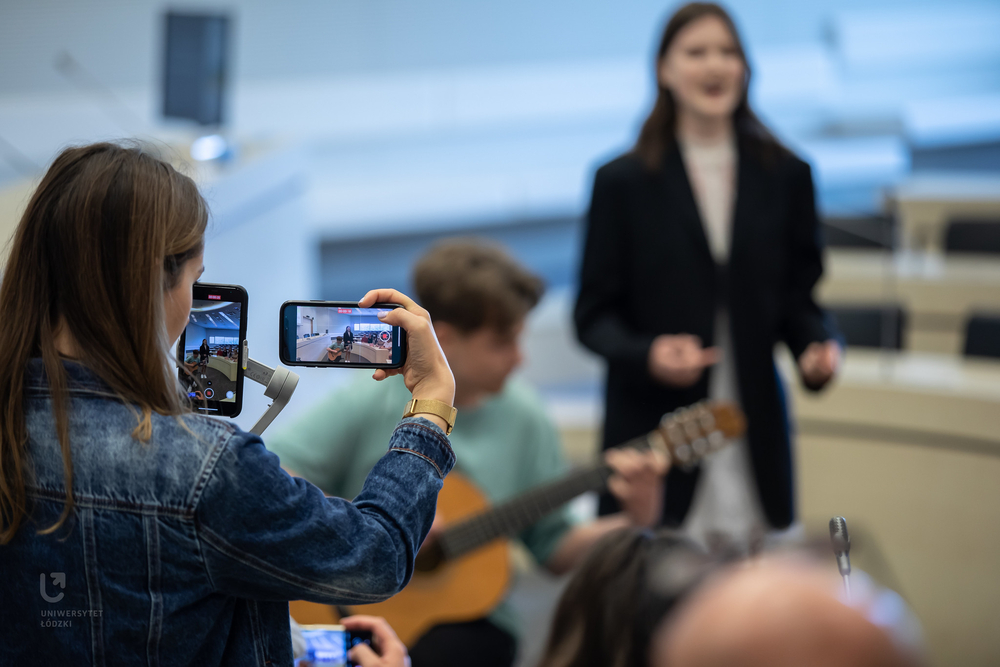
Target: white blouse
{"x": 726, "y": 510}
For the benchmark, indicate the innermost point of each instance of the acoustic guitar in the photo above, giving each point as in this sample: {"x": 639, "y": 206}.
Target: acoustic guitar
{"x": 464, "y": 574}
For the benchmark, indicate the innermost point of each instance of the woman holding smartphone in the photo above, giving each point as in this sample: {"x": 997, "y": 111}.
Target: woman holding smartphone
{"x": 132, "y": 530}
{"x": 702, "y": 251}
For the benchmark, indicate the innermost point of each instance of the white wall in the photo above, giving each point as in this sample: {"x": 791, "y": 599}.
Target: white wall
{"x": 255, "y": 240}
{"x": 352, "y": 76}
{"x": 120, "y": 40}
{"x": 193, "y": 335}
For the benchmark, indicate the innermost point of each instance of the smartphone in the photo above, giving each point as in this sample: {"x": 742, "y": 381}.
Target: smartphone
{"x": 339, "y": 334}
{"x": 210, "y": 351}
{"x": 328, "y": 644}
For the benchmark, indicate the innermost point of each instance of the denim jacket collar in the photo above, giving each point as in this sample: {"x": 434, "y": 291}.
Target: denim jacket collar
{"x": 78, "y": 378}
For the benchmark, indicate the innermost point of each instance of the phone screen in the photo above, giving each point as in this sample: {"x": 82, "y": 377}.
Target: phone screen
{"x": 339, "y": 335}
{"x": 209, "y": 350}
{"x": 329, "y": 646}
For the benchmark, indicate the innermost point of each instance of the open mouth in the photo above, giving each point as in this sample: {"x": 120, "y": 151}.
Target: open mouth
{"x": 714, "y": 89}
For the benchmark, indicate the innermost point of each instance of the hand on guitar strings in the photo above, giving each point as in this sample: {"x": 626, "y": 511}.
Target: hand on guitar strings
{"x": 386, "y": 650}
{"x": 637, "y": 483}
{"x": 679, "y": 360}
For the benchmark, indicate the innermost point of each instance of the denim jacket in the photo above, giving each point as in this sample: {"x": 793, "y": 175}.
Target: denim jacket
{"x": 184, "y": 550}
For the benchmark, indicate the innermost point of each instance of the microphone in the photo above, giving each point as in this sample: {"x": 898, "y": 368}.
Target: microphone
{"x": 841, "y": 542}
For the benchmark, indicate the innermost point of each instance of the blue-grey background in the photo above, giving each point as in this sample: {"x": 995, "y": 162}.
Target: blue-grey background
{"x": 364, "y": 130}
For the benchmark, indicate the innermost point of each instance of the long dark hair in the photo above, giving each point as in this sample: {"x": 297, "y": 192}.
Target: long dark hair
{"x": 658, "y": 134}
{"x": 108, "y": 230}
{"x": 628, "y": 583}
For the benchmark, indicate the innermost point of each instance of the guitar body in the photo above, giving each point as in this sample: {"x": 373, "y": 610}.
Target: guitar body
{"x": 457, "y": 590}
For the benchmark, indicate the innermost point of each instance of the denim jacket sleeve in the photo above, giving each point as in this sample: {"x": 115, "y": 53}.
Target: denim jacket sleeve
{"x": 266, "y": 535}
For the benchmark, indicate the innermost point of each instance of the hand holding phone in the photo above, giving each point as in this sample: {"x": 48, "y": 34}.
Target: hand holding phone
{"x": 426, "y": 371}
{"x": 386, "y": 650}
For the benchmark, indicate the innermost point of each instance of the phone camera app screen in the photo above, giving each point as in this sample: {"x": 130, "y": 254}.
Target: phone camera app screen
{"x": 340, "y": 335}
{"x": 212, "y": 350}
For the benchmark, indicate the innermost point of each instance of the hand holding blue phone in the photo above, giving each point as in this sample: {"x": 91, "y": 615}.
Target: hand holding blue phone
{"x": 386, "y": 649}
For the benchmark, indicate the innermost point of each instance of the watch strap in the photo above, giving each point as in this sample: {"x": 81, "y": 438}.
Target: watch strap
{"x": 432, "y": 406}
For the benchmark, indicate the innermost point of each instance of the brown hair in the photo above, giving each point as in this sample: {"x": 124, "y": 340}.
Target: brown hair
{"x": 657, "y": 136}
{"x": 469, "y": 284}
{"x": 628, "y": 583}
{"x": 107, "y": 231}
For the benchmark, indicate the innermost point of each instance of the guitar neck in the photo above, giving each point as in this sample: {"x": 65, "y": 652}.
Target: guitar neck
{"x": 510, "y": 518}
{"x": 685, "y": 435}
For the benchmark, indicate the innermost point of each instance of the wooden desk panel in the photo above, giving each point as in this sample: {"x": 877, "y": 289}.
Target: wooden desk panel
{"x": 313, "y": 349}
{"x": 925, "y": 204}
{"x": 937, "y": 294}
{"x": 907, "y": 447}
{"x": 372, "y": 354}
{"x": 224, "y": 366}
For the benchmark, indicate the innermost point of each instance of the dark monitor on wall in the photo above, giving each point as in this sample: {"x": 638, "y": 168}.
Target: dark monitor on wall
{"x": 195, "y": 63}
{"x": 882, "y": 325}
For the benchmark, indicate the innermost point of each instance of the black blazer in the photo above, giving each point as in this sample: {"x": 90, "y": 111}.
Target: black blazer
{"x": 647, "y": 270}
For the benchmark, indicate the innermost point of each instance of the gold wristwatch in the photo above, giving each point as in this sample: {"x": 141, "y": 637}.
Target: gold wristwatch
{"x": 432, "y": 406}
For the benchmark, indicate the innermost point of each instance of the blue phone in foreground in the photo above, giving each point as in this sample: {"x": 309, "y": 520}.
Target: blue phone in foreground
{"x": 327, "y": 645}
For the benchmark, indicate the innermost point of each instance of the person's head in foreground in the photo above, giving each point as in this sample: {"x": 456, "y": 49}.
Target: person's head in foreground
{"x": 478, "y": 297}
{"x": 616, "y": 599}
{"x": 653, "y": 599}
{"x": 780, "y": 611}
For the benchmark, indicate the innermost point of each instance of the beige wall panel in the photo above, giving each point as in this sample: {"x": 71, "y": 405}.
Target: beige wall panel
{"x": 931, "y": 519}
{"x": 948, "y": 342}
{"x": 13, "y": 200}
